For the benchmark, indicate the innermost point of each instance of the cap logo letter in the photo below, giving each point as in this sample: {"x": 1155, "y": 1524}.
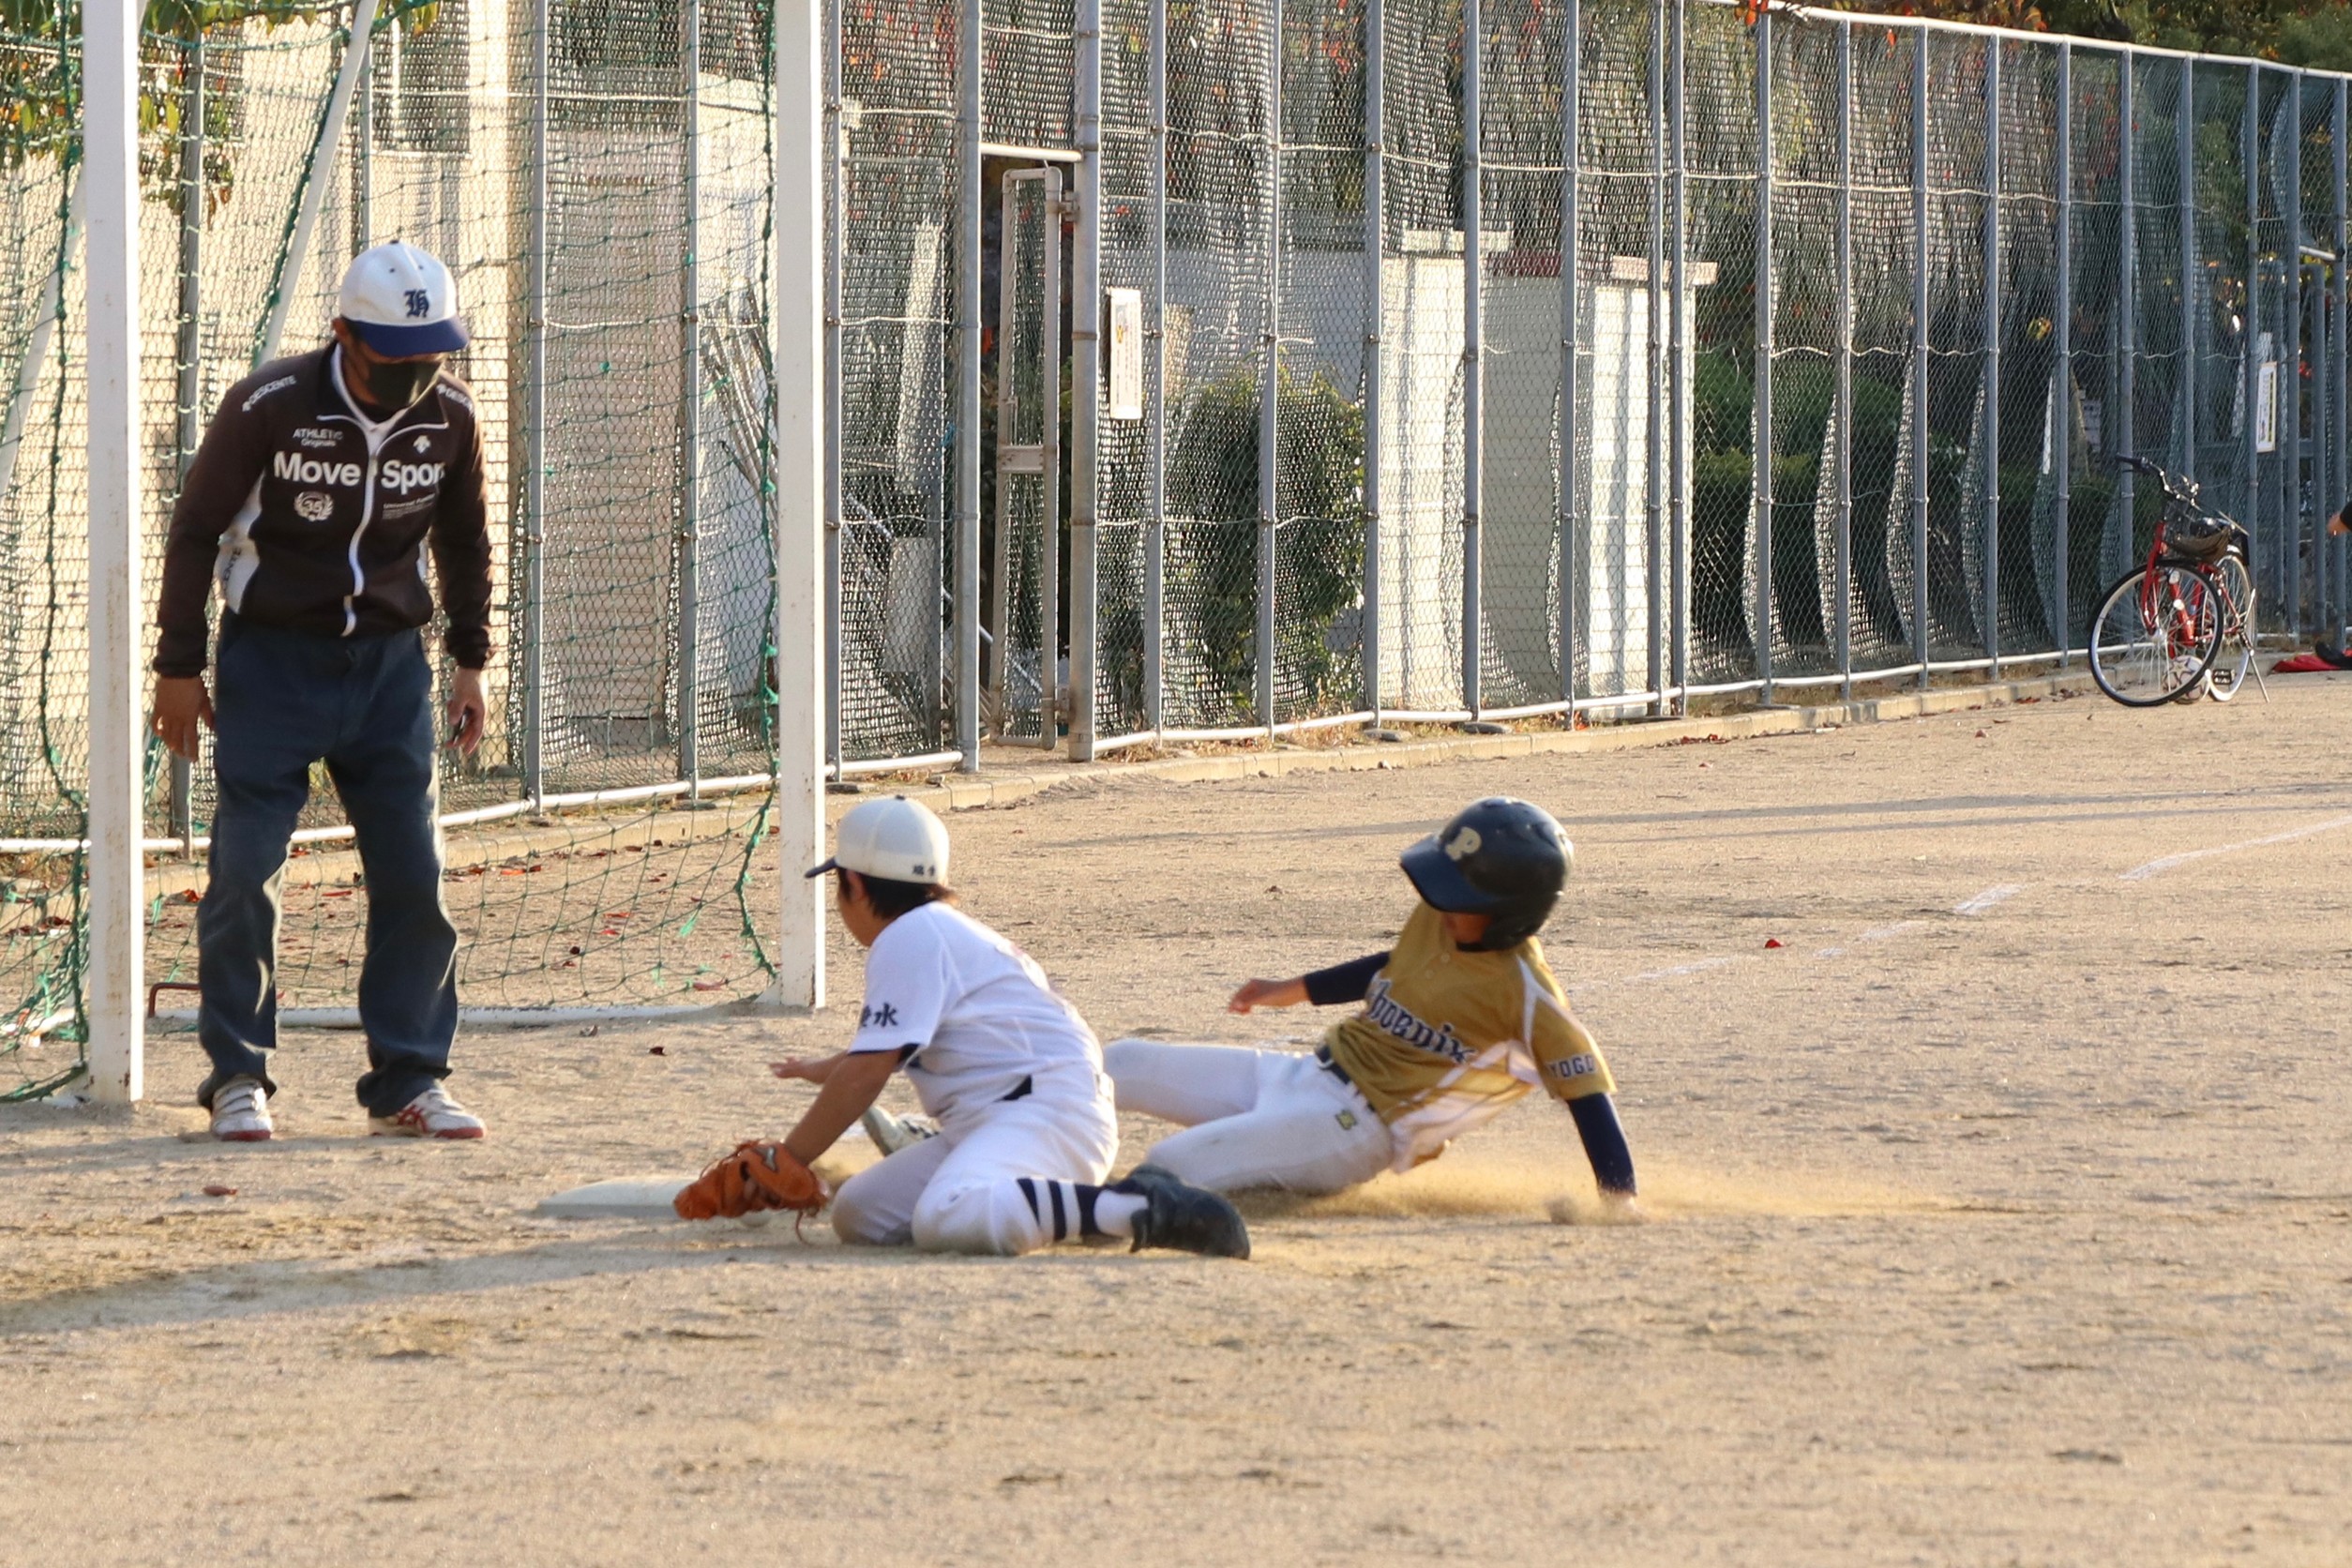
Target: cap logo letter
{"x": 1464, "y": 843}
{"x": 420, "y": 304}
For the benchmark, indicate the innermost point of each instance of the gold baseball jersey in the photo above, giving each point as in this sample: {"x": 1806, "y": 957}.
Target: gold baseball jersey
{"x": 1447, "y": 1038}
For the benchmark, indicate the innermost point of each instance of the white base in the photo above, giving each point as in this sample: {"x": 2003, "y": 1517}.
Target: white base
{"x": 627, "y": 1197}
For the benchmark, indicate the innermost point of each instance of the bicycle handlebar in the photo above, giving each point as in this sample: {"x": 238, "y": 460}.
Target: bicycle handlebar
{"x": 2176, "y": 487}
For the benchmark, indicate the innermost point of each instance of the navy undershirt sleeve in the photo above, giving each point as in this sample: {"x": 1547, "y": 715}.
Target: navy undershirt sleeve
{"x": 1347, "y": 982}
{"x": 1603, "y": 1142}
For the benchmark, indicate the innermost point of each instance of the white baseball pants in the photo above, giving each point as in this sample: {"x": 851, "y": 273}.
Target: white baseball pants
{"x": 1253, "y": 1118}
{"x": 962, "y": 1192}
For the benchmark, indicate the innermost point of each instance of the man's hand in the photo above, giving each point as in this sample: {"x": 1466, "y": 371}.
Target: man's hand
{"x": 467, "y": 711}
{"x": 1267, "y": 993}
{"x": 2337, "y": 525}
{"x": 181, "y": 702}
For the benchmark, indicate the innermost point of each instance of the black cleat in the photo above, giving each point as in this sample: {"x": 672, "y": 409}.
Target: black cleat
{"x": 1182, "y": 1218}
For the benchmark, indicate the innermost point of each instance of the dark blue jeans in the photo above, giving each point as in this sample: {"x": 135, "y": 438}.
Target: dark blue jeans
{"x": 363, "y": 705}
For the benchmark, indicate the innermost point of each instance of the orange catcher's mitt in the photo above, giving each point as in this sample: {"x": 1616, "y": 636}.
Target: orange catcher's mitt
{"x": 753, "y": 1178}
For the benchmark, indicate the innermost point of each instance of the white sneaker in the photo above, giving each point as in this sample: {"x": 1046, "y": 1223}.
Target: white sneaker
{"x": 431, "y": 1114}
{"x": 893, "y": 1133}
{"x": 240, "y": 1112}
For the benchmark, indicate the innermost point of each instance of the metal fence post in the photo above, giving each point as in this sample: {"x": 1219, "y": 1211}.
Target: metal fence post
{"x": 187, "y": 429}
{"x": 2249, "y": 333}
{"x": 1920, "y": 84}
{"x": 2289, "y": 382}
{"x": 1991, "y": 434}
{"x": 533, "y": 431}
{"x": 1678, "y": 349}
{"x": 1155, "y": 529}
{"x": 689, "y": 516}
{"x": 2185, "y": 384}
{"x": 1473, "y": 372}
{"x": 967, "y": 606}
{"x": 1571, "y": 243}
{"x": 2122, "y": 422}
{"x": 2339, "y": 358}
{"x": 363, "y": 183}
{"x": 1842, "y": 375}
{"x": 1375, "y": 315}
{"x": 1270, "y": 390}
{"x": 1086, "y": 390}
{"x": 836, "y": 152}
{"x": 1653, "y": 433}
{"x": 2062, "y": 393}
{"x": 1761, "y": 452}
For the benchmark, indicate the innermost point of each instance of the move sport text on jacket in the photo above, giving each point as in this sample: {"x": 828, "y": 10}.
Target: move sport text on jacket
{"x": 313, "y": 518}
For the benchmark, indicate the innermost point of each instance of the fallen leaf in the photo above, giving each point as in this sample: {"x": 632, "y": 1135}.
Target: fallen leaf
{"x": 1772, "y": 942}
{"x": 216, "y": 1190}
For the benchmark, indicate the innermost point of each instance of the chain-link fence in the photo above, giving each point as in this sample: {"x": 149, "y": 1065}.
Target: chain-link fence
{"x": 1454, "y": 359}
{"x": 598, "y": 178}
{"x": 1856, "y": 316}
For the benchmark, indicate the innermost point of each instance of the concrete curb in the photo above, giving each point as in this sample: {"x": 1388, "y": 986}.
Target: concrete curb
{"x": 962, "y": 792}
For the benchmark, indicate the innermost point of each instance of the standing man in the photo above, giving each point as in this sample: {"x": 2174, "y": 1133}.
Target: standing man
{"x": 310, "y": 500}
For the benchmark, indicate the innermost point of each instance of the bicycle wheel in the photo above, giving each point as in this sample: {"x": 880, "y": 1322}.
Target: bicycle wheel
{"x": 2227, "y": 677}
{"x": 2154, "y": 634}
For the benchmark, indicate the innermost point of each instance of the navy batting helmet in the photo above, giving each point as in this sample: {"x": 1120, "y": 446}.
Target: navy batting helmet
{"x": 1503, "y": 858}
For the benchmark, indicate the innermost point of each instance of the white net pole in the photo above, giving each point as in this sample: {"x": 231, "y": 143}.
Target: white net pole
{"x": 109, "y": 54}
{"x": 796, "y": 317}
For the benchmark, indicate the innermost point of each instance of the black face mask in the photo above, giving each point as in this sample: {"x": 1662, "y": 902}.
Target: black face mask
{"x": 397, "y": 385}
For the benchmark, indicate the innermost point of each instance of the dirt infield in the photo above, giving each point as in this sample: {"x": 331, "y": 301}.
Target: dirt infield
{"x": 2002, "y": 1213}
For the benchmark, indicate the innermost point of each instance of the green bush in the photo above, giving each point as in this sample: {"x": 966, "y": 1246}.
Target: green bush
{"x": 1211, "y": 563}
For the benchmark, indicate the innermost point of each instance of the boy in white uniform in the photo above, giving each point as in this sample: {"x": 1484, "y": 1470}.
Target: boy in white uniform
{"x": 1010, "y": 1072}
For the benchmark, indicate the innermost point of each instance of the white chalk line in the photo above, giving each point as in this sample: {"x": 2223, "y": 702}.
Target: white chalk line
{"x": 1999, "y": 894}
{"x": 2166, "y": 863}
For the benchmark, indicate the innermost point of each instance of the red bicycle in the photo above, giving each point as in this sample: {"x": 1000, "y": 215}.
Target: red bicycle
{"x": 2180, "y": 625}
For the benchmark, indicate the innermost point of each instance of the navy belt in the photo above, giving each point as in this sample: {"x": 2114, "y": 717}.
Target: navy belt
{"x": 1324, "y": 1058}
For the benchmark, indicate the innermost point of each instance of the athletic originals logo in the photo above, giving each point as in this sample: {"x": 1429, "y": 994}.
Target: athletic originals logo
{"x": 420, "y": 304}
{"x": 884, "y": 1017}
{"x": 1391, "y": 1016}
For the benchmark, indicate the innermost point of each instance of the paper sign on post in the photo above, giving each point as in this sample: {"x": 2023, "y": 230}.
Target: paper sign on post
{"x": 1126, "y": 354}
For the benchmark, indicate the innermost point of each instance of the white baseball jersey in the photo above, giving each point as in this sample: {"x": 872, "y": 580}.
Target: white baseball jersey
{"x": 979, "y": 1013}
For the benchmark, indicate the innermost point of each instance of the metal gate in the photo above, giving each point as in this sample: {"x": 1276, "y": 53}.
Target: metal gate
{"x": 1022, "y": 627}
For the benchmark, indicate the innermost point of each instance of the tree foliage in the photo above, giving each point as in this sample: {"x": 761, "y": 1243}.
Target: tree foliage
{"x": 2316, "y": 33}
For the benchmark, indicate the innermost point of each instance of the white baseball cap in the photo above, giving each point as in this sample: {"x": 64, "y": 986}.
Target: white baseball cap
{"x": 402, "y": 301}
{"x": 895, "y": 838}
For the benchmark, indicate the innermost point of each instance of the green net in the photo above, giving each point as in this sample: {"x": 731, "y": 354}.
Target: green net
{"x": 604, "y": 844}
{"x": 1866, "y": 216}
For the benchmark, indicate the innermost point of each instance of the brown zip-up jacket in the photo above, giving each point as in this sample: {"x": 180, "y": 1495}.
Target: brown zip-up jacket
{"x": 311, "y": 523}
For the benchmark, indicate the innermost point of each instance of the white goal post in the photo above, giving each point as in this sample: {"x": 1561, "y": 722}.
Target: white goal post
{"x": 115, "y": 902}
{"x": 116, "y": 908}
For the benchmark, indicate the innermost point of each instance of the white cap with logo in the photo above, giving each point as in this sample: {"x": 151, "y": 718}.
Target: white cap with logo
{"x": 895, "y": 838}
{"x": 402, "y": 301}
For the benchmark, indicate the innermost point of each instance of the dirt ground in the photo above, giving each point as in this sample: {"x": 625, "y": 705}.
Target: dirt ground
{"x": 2002, "y": 1213}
